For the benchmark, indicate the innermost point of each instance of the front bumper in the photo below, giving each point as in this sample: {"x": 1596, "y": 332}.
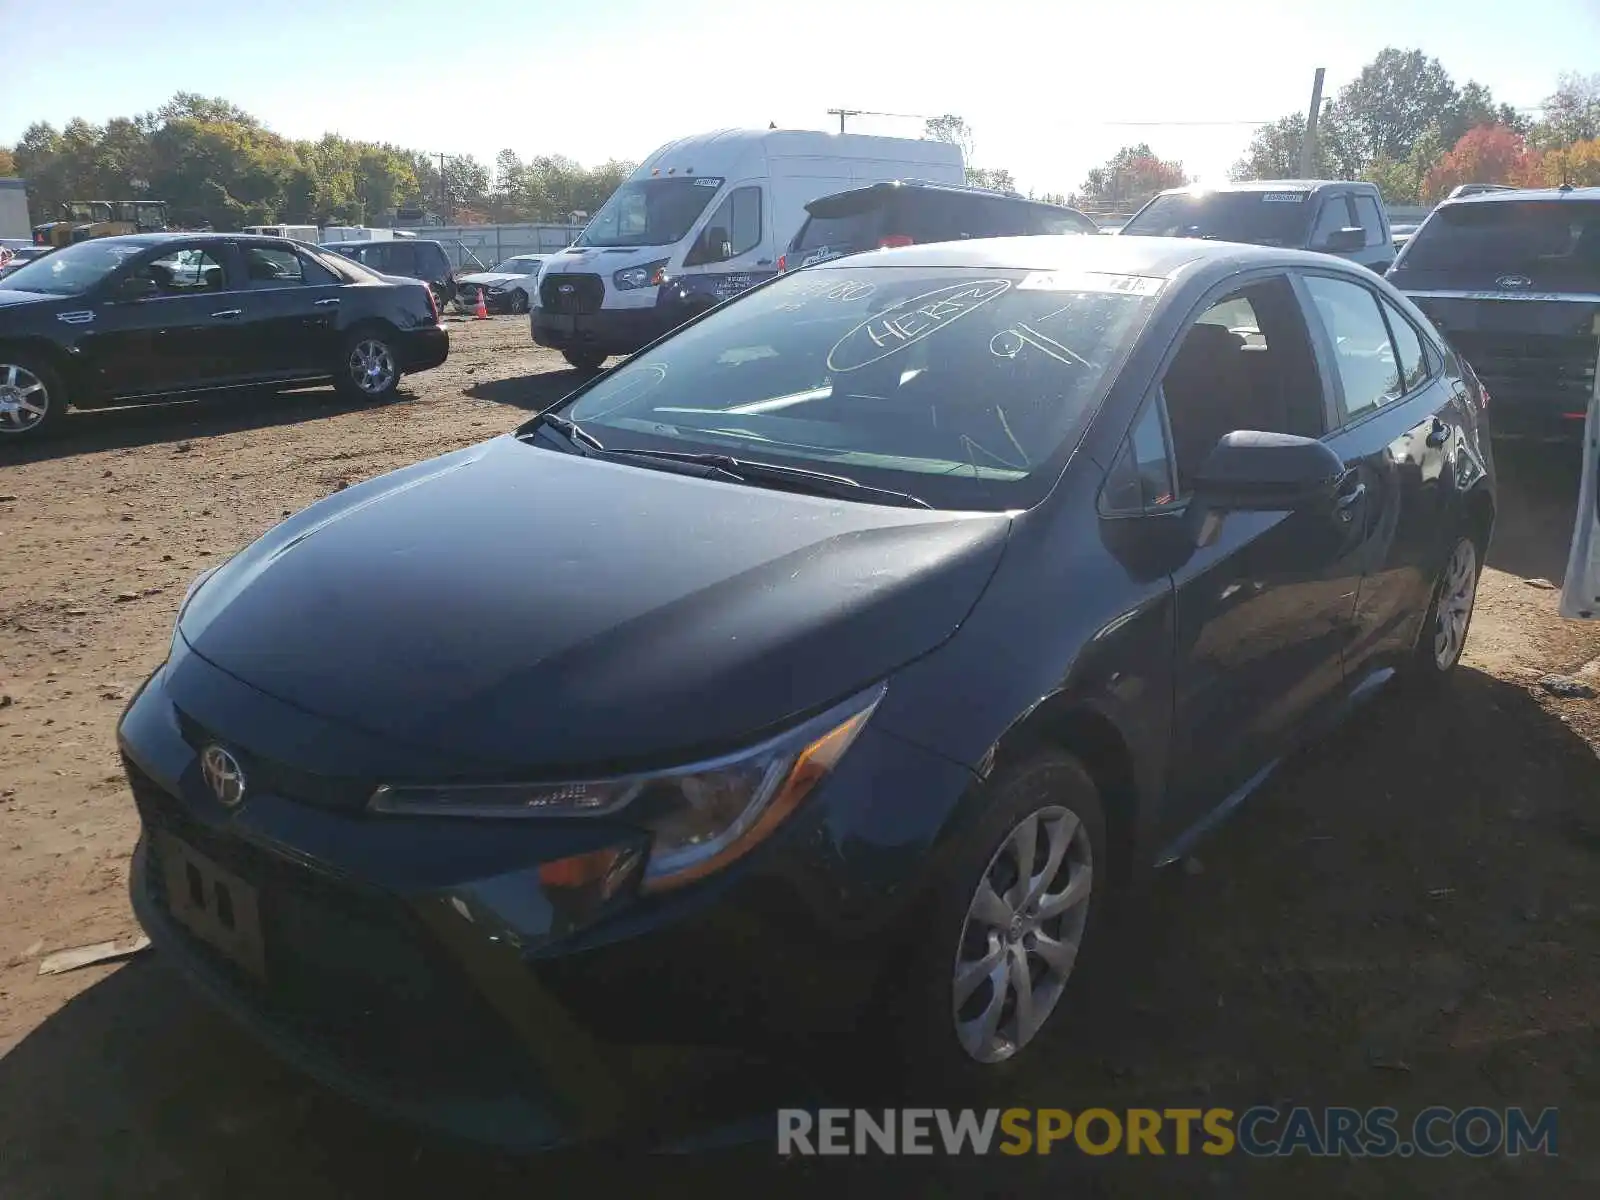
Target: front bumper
{"x": 422, "y": 968}
{"x": 607, "y": 331}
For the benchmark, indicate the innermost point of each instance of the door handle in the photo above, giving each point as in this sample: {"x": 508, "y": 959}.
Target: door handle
{"x": 327, "y": 303}
{"x": 1347, "y": 502}
{"x": 1438, "y": 435}
{"x": 227, "y": 314}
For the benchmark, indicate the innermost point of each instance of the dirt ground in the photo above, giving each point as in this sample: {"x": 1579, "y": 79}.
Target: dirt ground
{"x": 1407, "y": 915}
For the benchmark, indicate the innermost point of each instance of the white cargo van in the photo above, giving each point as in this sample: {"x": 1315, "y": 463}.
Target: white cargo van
{"x": 300, "y": 233}
{"x": 333, "y": 234}
{"x": 722, "y": 203}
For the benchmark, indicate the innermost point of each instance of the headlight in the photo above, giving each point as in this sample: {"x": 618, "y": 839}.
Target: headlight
{"x": 496, "y": 291}
{"x": 631, "y": 278}
{"x": 702, "y": 816}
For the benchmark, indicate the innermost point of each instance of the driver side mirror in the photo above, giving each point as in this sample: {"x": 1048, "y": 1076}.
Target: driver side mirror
{"x": 1351, "y": 237}
{"x": 714, "y": 246}
{"x": 1249, "y": 471}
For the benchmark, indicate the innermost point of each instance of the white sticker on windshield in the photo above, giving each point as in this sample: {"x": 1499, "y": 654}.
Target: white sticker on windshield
{"x": 1284, "y": 197}
{"x": 1091, "y": 281}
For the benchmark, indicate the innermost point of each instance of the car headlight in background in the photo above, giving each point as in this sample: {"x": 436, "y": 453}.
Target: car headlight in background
{"x": 631, "y": 278}
{"x": 701, "y": 817}
{"x": 496, "y": 291}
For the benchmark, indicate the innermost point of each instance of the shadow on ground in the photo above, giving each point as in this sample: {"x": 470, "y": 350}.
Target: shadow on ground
{"x": 95, "y": 430}
{"x": 1538, "y": 501}
{"x": 532, "y": 392}
{"x": 1405, "y": 916}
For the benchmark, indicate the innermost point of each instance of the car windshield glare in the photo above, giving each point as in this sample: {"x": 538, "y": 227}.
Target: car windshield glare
{"x": 516, "y": 266}
{"x": 1263, "y": 218}
{"x": 967, "y": 387}
{"x": 650, "y": 212}
{"x": 72, "y": 270}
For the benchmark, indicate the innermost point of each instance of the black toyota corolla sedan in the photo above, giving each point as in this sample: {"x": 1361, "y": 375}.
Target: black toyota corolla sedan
{"x": 837, "y": 654}
{"x": 125, "y": 320}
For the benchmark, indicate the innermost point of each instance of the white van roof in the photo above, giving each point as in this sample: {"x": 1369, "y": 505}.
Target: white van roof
{"x": 720, "y": 151}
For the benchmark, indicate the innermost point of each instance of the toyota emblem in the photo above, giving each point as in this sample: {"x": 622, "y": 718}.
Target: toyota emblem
{"x": 1513, "y": 281}
{"x": 224, "y": 776}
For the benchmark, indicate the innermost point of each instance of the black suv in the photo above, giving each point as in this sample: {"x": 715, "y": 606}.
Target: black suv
{"x": 1333, "y": 216}
{"x": 412, "y": 258}
{"x": 909, "y": 212}
{"x": 1513, "y": 280}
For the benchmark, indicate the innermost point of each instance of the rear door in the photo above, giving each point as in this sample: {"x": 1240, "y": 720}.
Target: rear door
{"x": 291, "y": 327}
{"x": 1398, "y": 424}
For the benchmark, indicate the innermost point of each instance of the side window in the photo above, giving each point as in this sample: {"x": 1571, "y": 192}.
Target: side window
{"x": 400, "y": 258}
{"x": 739, "y": 216}
{"x": 1245, "y": 363}
{"x": 270, "y": 267}
{"x": 185, "y": 272}
{"x": 1335, "y": 215}
{"x": 1371, "y": 218}
{"x": 1045, "y": 220}
{"x": 1414, "y": 366}
{"x": 1363, "y": 354}
{"x": 1140, "y": 480}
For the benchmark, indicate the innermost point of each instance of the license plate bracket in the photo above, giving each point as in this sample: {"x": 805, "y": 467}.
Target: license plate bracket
{"x": 214, "y": 904}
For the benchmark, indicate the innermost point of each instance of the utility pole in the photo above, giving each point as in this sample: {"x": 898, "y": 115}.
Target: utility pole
{"x": 444, "y": 192}
{"x": 842, "y": 113}
{"x": 1308, "y": 143}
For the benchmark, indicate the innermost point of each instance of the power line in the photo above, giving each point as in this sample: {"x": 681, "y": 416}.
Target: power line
{"x": 842, "y": 113}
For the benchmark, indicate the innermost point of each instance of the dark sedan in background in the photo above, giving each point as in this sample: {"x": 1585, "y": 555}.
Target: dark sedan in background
{"x": 122, "y": 320}
{"x": 831, "y": 659}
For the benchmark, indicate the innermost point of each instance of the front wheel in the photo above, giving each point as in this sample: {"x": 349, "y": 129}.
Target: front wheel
{"x": 519, "y": 303}
{"x": 32, "y": 398}
{"x": 585, "y": 361}
{"x": 369, "y": 368}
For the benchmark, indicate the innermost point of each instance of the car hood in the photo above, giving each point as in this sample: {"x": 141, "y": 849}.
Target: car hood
{"x": 520, "y": 608}
{"x": 488, "y": 278}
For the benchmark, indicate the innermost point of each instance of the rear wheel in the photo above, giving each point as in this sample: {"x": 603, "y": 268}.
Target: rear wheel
{"x": 369, "y": 368}
{"x": 585, "y": 361}
{"x": 32, "y": 398}
{"x": 1444, "y": 630}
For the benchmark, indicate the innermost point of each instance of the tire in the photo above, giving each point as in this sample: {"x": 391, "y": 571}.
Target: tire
{"x": 361, "y": 373}
{"x": 519, "y": 303}
{"x": 586, "y": 362}
{"x": 1442, "y": 638}
{"x": 32, "y": 397}
{"x": 937, "y": 1016}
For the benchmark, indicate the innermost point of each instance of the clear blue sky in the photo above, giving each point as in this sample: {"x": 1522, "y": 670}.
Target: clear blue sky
{"x": 1039, "y": 81}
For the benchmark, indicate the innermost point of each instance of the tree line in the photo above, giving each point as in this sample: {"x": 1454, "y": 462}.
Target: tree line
{"x": 217, "y": 165}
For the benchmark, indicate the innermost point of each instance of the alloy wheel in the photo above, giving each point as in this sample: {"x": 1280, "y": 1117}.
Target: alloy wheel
{"x": 24, "y": 399}
{"x": 1021, "y": 934}
{"x": 1457, "y": 593}
{"x": 372, "y": 367}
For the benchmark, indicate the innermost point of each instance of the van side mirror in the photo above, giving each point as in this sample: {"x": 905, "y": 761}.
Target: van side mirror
{"x": 712, "y": 247}
{"x": 1351, "y": 237}
{"x": 1250, "y": 471}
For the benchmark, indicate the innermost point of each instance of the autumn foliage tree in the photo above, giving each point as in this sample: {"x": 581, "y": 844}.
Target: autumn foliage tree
{"x": 1487, "y": 154}
{"x": 1130, "y": 177}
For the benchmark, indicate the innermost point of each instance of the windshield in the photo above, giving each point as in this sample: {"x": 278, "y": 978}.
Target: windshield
{"x": 966, "y": 387}
{"x": 72, "y": 270}
{"x": 1262, "y": 218}
{"x": 650, "y": 212}
{"x": 517, "y": 266}
{"x": 1553, "y": 243}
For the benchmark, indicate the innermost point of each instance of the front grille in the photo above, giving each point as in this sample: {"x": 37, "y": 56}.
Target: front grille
{"x": 348, "y": 970}
{"x": 585, "y": 296}
{"x": 1557, "y": 369}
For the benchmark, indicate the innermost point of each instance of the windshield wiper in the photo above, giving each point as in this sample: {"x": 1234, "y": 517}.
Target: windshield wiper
{"x": 570, "y": 430}
{"x": 817, "y": 482}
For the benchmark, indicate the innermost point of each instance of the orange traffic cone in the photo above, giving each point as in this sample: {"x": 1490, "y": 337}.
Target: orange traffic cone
{"x": 481, "y": 313}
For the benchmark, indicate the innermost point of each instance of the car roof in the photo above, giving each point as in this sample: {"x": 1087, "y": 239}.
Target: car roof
{"x": 1121, "y": 255}
{"x": 1523, "y": 194}
{"x": 1269, "y": 185}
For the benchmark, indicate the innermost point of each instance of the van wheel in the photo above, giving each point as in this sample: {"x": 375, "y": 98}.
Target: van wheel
{"x": 32, "y": 398}
{"x": 586, "y": 362}
{"x": 368, "y": 368}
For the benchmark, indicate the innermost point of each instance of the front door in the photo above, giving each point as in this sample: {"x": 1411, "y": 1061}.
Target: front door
{"x": 1265, "y": 600}
{"x": 170, "y": 322}
{"x": 293, "y": 326}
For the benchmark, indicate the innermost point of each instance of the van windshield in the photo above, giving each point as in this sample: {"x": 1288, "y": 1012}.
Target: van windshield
{"x": 1260, "y": 218}
{"x": 650, "y": 212}
{"x": 965, "y": 387}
